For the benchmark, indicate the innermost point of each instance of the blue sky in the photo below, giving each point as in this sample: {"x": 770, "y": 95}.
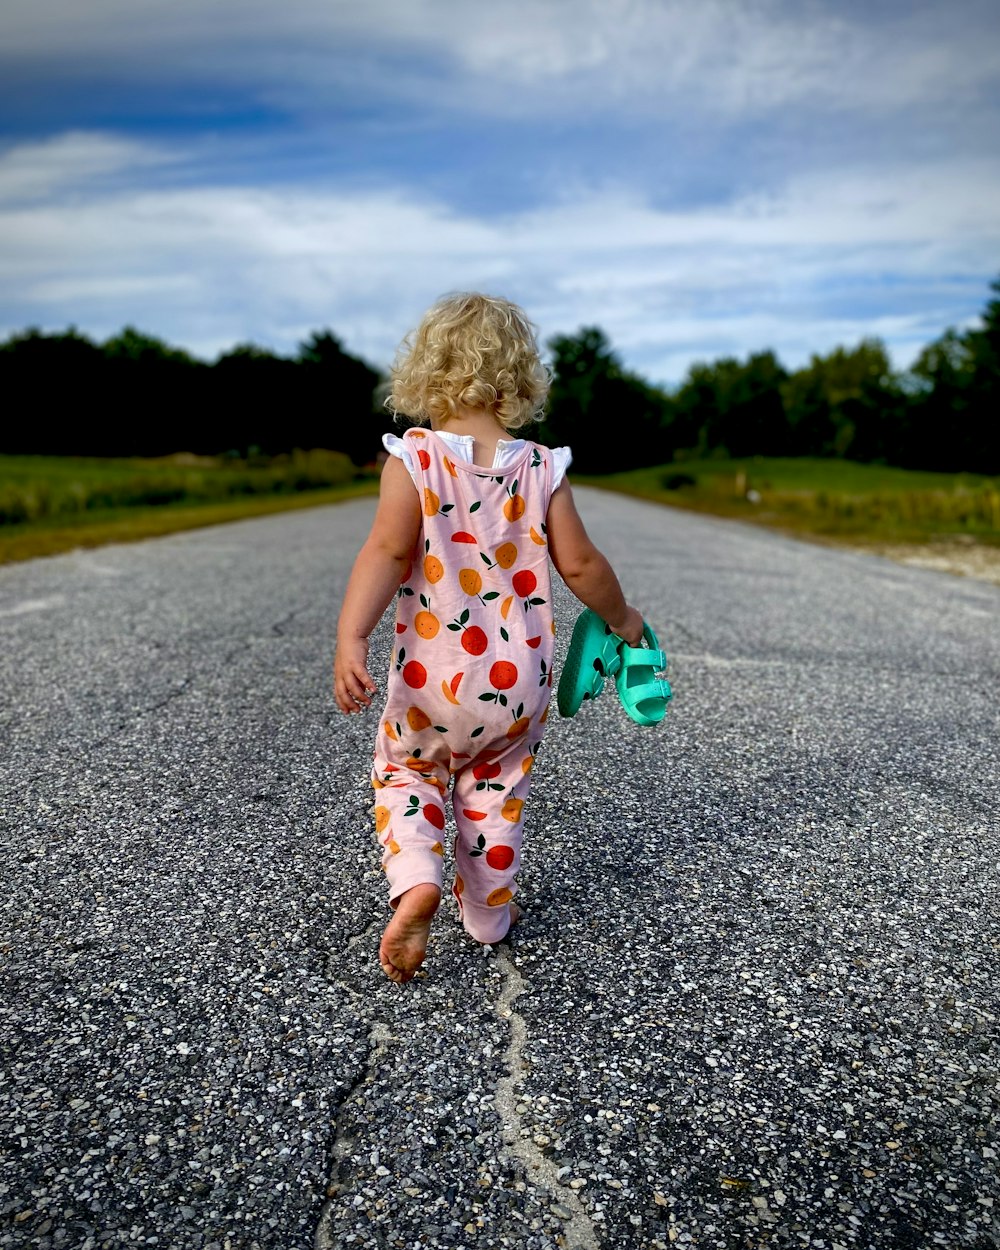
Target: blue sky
{"x": 699, "y": 179}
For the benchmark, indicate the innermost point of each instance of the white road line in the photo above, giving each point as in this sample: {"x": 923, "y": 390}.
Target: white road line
{"x": 34, "y": 605}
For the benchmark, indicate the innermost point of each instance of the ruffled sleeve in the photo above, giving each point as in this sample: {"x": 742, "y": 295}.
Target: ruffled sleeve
{"x": 397, "y": 447}
{"x": 562, "y": 458}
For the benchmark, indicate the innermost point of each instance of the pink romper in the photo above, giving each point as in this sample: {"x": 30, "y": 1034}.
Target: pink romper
{"x": 469, "y": 681}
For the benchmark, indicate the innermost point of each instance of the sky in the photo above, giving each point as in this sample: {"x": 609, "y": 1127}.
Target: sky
{"x": 700, "y": 178}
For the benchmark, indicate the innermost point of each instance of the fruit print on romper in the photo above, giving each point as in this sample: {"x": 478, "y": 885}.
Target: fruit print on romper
{"x": 469, "y": 680}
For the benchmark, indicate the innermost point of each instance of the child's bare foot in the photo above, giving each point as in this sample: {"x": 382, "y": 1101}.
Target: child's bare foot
{"x": 404, "y": 942}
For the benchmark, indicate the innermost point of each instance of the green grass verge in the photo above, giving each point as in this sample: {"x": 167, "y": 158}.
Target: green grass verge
{"x": 37, "y": 488}
{"x": 54, "y": 504}
{"x": 95, "y": 528}
{"x": 831, "y": 499}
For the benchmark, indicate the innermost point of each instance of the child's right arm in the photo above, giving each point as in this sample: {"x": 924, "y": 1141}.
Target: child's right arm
{"x": 585, "y": 570}
{"x": 374, "y": 580}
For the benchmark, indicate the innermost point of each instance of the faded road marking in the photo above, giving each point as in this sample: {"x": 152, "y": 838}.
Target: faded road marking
{"x": 34, "y": 605}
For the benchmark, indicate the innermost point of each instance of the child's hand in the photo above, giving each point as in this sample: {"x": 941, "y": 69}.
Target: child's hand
{"x": 352, "y": 683}
{"x": 629, "y": 627}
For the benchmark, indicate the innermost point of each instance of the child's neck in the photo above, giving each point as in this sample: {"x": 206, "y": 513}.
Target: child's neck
{"x": 485, "y": 429}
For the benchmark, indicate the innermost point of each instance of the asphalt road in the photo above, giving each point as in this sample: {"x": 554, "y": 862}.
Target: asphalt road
{"x": 753, "y": 1002}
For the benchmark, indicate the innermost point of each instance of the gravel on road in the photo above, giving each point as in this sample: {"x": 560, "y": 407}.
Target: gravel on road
{"x": 753, "y": 1002}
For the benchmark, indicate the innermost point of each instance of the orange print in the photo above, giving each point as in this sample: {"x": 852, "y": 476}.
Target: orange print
{"x": 511, "y": 810}
{"x": 498, "y": 897}
{"x": 513, "y": 509}
{"x": 503, "y": 675}
{"x": 417, "y": 719}
{"x": 426, "y": 624}
{"x": 450, "y": 689}
{"x": 500, "y": 857}
{"x": 414, "y": 674}
{"x": 433, "y": 569}
{"x": 474, "y": 640}
{"x": 506, "y": 555}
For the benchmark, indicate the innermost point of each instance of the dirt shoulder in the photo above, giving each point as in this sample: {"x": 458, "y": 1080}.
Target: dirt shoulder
{"x": 965, "y": 559}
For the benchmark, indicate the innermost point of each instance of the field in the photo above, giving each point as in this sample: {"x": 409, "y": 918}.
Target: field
{"x": 50, "y": 504}
{"x": 832, "y": 499}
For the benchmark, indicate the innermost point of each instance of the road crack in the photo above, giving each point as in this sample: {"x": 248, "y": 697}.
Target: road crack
{"x": 580, "y": 1231}
{"x": 279, "y": 626}
{"x": 336, "y": 973}
{"x": 344, "y": 1141}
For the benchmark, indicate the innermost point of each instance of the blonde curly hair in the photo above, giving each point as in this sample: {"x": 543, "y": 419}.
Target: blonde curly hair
{"x": 470, "y": 351}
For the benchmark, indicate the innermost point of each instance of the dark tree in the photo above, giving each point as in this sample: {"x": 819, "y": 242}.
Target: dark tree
{"x": 47, "y": 381}
{"x": 612, "y": 419}
{"x": 732, "y": 407}
{"x": 145, "y": 398}
{"x": 955, "y": 397}
{"x": 845, "y": 404}
{"x": 337, "y": 398}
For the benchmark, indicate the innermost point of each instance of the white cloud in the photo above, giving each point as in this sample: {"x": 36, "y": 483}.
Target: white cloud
{"x": 207, "y": 266}
{"x": 734, "y": 57}
{"x": 39, "y": 170}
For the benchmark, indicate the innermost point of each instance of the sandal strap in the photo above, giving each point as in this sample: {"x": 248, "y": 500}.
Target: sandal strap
{"x": 655, "y": 688}
{"x": 634, "y": 656}
{"x": 610, "y": 658}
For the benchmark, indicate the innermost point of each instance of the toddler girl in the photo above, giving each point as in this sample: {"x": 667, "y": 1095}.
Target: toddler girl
{"x": 467, "y": 521}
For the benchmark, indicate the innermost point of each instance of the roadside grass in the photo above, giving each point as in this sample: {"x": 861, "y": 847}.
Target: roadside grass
{"x": 34, "y": 488}
{"x": 52, "y": 504}
{"x": 835, "y": 500}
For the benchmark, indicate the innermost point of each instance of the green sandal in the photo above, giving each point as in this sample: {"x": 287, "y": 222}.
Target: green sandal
{"x": 644, "y": 696}
{"x": 592, "y": 656}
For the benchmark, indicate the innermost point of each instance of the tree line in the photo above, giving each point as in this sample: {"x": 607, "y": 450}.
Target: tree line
{"x": 942, "y": 413}
{"x": 134, "y": 395}
{"x": 144, "y": 398}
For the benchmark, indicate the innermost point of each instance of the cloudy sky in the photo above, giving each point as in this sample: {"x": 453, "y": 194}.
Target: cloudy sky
{"x": 699, "y": 178}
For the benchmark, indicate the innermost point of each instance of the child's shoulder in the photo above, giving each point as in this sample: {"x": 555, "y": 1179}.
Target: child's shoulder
{"x": 561, "y": 458}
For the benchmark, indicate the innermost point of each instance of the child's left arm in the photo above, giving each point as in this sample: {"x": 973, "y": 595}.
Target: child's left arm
{"x": 374, "y": 580}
